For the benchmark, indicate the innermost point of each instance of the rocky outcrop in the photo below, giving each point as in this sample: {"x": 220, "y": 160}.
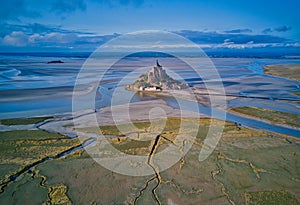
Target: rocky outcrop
{"x": 157, "y": 79}
{"x": 55, "y": 61}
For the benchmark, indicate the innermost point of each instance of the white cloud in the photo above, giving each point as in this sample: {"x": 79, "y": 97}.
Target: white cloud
{"x": 20, "y": 39}
{"x": 56, "y": 38}
{"x": 16, "y": 38}
{"x": 148, "y": 46}
{"x": 250, "y": 44}
{"x": 74, "y": 40}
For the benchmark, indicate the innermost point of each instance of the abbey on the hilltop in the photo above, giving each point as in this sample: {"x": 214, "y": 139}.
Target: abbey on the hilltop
{"x": 156, "y": 79}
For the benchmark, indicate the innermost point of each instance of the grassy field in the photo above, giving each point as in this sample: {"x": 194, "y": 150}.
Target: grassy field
{"x": 26, "y": 146}
{"x": 296, "y": 92}
{"x": 29, "y": 135}
{"x": 270, "y": 115}
{"x": 247, "y": 167}
{"x": 20, "y": 149}
{"x": 23, "y": 121}
{"x": 243, "y": 162}
{"x": 291, "y": 71}
{"x": 270, "y": 197}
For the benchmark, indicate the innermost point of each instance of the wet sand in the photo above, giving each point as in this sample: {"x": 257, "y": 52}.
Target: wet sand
{"x": 120, "y": 114}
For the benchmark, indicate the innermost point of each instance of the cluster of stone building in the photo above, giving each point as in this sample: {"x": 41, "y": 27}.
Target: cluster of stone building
{"x": 150, "y": 88}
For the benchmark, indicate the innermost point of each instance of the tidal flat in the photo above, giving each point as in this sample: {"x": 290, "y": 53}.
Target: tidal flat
{"x": 46, "y": 160}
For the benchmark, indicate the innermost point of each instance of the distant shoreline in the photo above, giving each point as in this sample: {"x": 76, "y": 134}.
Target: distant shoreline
{"x": 290, "y": 71}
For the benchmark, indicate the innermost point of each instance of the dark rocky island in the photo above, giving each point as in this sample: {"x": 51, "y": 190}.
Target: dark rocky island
{"x": 55, "y": 61}
{"x": 156, "y": 79}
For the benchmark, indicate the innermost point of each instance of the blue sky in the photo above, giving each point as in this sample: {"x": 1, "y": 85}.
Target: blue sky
{"x": 82, "y": 25}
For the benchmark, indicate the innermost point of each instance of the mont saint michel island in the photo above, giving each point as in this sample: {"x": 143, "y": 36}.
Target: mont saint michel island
{"x": 156, "y": 79}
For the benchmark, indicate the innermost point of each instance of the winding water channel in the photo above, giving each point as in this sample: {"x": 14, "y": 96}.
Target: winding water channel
{"x": 217, "y": 113}
{"x": 244, "y": 121}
